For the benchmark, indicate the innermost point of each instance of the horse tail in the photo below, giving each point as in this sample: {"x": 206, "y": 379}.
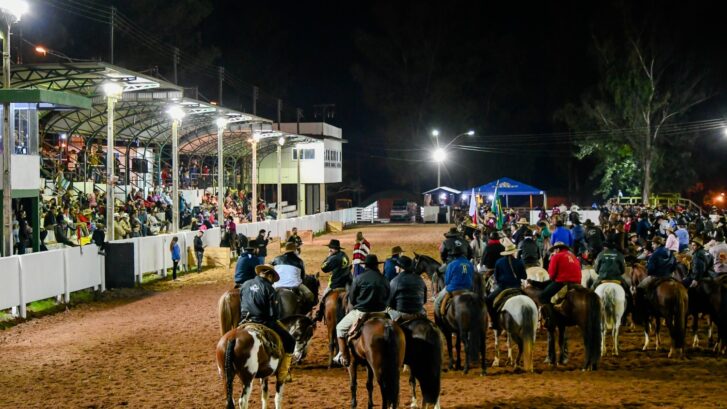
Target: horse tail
{"x": 474, "y": 337}
{"x": 528, "y": 325}
{"x": 230, "y": 371}
{"x": 225, "y": 313}
{"x": 609, "y": 307}
{"x": 592, "y": 331}
{"x": 389, "y": 380}
{"x": 678, "y": 331}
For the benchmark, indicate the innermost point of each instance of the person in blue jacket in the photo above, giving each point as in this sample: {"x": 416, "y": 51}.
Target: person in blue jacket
{"x": 246, "y": 263}
{"x": 459, "y": 276}
{"x": 391, "y": 263}
{"x": 561, "y": 234}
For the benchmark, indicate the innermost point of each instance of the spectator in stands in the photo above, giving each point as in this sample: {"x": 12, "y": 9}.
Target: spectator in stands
{"x": 59, "y": 230}
{"x": 99, "y": 236}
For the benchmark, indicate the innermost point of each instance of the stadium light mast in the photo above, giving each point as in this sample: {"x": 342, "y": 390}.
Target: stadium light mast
{"x": 113, "y": 91}
{"x": 221, "y": 123}
{"x": 176, "y": 113}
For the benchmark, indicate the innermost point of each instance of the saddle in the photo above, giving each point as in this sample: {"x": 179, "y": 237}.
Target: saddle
{"x": 610, "y": 281}
{"x": 560, "y": 296}
{"x": 271, "y": 342}
{"x": 505, "y": 295}
{"x": 650, "y": 293}
{"x": 355, "y": 330}
{"x": 447, "y": 301}
{"x": 406, "y": 318}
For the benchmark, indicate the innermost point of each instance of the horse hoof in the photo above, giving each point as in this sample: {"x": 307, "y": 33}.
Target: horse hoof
{"x": 495, "y": 363}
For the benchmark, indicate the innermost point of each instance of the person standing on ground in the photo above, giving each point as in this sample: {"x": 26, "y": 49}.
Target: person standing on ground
{"x": 295, "y": 239}
{"x": 262, "y": 241}
{"x": 360, "y": 250}
{"x": 176, "y": 256}
{"x": 199, "y": 249}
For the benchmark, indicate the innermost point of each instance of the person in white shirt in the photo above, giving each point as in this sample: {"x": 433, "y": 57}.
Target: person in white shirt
{"x": 291, "y": 270}
{"x": 719, "y": 254}
{"x": 672, "y": 243}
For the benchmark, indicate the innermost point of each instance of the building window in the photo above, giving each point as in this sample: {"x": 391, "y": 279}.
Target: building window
{"x": 305, "y": 154}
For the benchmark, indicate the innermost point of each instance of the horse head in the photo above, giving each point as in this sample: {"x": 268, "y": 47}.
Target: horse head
{"x": 301, "y": 327}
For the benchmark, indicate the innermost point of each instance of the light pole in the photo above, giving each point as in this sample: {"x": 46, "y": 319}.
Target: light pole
{"x": 221, "y": 125}
{"x": 12, "y": 11}
{"x": 440, "y": 153}
{"x": 281, "y": 142}
{"x": 176, "y": 113}
{"x": 253, "y": 208}
{"x": 113, "y": 91}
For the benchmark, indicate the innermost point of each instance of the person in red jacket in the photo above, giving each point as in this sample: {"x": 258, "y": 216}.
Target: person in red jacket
{"x": 564, "y": 268}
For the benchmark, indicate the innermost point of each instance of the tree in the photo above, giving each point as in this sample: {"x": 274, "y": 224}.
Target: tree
{"x": 642, "y": 91}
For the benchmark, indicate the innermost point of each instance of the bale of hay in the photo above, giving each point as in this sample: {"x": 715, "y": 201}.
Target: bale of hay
{"x": 216, "y": 257}
{"x": 334, "y": 227}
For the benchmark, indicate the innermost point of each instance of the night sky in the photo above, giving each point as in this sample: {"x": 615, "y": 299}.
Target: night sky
{"x": 394, "y": 72}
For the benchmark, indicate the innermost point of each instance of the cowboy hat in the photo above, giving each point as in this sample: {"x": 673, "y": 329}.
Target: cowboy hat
{"x": 561, "y": 245}
{"x": 405, "y": 263}
{"x": 396, "y": 250}
{"x": 523, "y": 221}
{"x": 452, "y": 232}
{"x": 657, "y": 240}
{"x": 290, "y": 247}
{"x": 510, "y": 249}
{"x": 372, "y": 261}
{"x": 698, "y": 241}
{"x": 267, "y": 269}
{"x": 334, "y": 244}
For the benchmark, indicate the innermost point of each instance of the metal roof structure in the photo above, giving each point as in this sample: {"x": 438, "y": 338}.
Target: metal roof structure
{"x": 140, "y": 113}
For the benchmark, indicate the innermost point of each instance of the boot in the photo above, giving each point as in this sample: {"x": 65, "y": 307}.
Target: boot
{"x": 343, "y": 357}
{"x": 284, "y": 369}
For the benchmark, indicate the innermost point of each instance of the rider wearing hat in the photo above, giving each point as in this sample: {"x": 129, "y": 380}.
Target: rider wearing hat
{"x": 339, "y": 266}
{"x": 458, "y": 276}
{"x": 508, "y": 273}
{"x": 246, "y": 263}
{"x": 701, "y": 263}
{"x": 391, "y": 263}
{"x": 408, "y": 292}
{"x": 661, "y": 263}
{"x": 521, "y": 232}
{"x": 610, "y": 265}
{"x": 259, "y": 303}
{"x": 369, "y": 294}
{"x": 563, "y": 269}
{"x": 594, "y": 239}
{"x": 292, "y": 272}
{"x": 492, "y": 252}
{"x": 528, "y": 250}
{"x": 453, "y": 240}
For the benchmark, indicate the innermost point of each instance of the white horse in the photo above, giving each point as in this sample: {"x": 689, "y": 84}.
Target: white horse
{"x": 537, "y": 273}
{"x": 519, "y": 319}
{"x": 613, "y": 302}
{"x": 588, "y": 276}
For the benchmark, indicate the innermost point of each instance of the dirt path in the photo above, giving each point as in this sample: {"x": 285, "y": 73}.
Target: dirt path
{"x": 158, "y": 352}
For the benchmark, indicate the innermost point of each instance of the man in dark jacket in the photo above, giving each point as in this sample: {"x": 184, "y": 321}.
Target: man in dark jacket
{"x": 295, "y": 239}
{"x": 99, "y": 237}
{"x": 408, "y": 292}
{"x": 199, "y": 249}
{"x": 369, "y": 293}
{"x": 390, "y": 263}
{"x": 661, "y": 263}
{"x": 610, "y": 265}
{"x": 262, "y": 241}
{"x": 59, "y": 230}
{"x": 594, "y": 239}
{"x": 528, "y": 251}
{"x": 701, "y": 263}
{"x": 521, "y": 232}
{"x": 246, "y": 263}
{"x": 259, "y": 303}
{"x": 492, "y": 251}
{"x": 453, "y": 240}
{"x": 509, "y": 271}
{"x": 338, "y": 264}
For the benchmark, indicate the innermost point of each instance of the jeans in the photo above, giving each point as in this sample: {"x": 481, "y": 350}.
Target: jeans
{"x": 358, "y": 269}
{"x": 199, "y": 255}
{"x": 438, "y": 300}
{"x": 261, "y": 260}
{"x": 175, "y": 265}
{"x": 550, "y": 290}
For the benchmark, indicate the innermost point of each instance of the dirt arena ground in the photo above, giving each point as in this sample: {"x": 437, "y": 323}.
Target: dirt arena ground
{"x": 157, "y": 351}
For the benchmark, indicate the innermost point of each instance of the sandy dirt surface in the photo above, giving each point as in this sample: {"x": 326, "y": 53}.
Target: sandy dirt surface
{"x": 157, "y": 351}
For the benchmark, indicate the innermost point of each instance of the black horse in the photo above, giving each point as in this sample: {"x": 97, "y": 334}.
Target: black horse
{"x": 423, "y": 339}
{"x": 290, "y": 302}
{"x": 708, "y": 297}
{"x": 429, "y": 266}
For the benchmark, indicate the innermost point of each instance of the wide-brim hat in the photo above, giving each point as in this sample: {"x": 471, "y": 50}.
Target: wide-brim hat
{"x": 523, "y": 221}
{"x": 509, "y": 250}
{"x": 334, "y": 244}
{"x": 405, "y": 263}
{"x": 290, "y": 247}
{"x": 698, "y": 241}
{"x": 657, "y": 240}
{"x": 560, "y": 245}
{"x": 396, "y": 250}
{"x": 267, "y": 269}
{"x": 372, "y": 261}
{"x": 452, "y": 231}
{"x": 87, "y": 212}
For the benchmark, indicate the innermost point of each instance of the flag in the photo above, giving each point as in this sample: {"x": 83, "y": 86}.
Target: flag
{"x": 473, "y": 207}
{"x": 497, "y": 207}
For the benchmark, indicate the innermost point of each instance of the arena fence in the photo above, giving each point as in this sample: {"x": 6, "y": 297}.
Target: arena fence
{"x": 58, "y": 273}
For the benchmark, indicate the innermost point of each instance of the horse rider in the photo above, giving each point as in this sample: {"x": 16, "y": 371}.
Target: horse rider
{"x": 246, "y": 263}
{"x": 408, "y": 292}
{"x": 579, "y": 238}
{"x": 520, "y": 233}
{"x": 292, "y": 273}
{"x": 509, "y": 271}
{"x": 459, "y": 275}
{"x": 528, "y": 251}
{"x": 594, "y": 239}
{"x": 561, "y": 234}
{"x": 492, "y": 252}
{"x": 360, "y": 250}
{"x": 259, "y": 304}
{"x": 390, "y": 264}
{"x": 563, "y": 269}
{"x": 701, "y": 263}
{"x": 661, "y": 263}
{"x": 295, "y": 239}
{"x": 610, "y": 265}
{"x": 339, "y": 266}
{"x": 452, "y": 241}
{"x": 369, "y": 294}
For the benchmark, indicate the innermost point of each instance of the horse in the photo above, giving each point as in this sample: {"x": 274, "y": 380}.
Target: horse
{"x": 423, "y": 339}
{"x": 669, "y": 300}
{"x": 430, "y": 266}
{"x": 588, "y": 276}
{"x": 581, "y": 307}
{"x": 229, "y": 304}
{"x": 635, "y": 275}
{"x": 334, "y": 311}
{"x": 518, "y": 317}
{"x": 707, "y": 297}
{"x": 290, "y": 303}
{"x": 613, "y": 300}
{"x": 301, "y": 327}
{"x": 537, "y": 273}
{"x": 250, "y": 351}
{"x": 466, "y": 317}
{"x": 381, "y": 347}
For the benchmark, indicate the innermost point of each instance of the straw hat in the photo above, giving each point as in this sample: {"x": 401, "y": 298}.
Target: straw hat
{"x": 510, "y": 249}
{"x": 267, "y": 269}
{"x": 560, "y": 245}
{"x": 523, "y": 221}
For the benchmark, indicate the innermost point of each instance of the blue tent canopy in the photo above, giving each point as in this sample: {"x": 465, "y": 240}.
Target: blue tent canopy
{"x": 507, "y": 187}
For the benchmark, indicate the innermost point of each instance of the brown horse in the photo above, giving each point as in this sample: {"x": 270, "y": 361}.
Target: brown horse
{"x": 381, "y": 347}
{"x": 706, "y": 298}
{"x": 466, "y": 317}
{"x": 423, "y": 339}
{"x": 581, "y": 307}
{"x": 335, "y": 310}
{"x": 668, "y": 300}
{"x": 250, "y": 351}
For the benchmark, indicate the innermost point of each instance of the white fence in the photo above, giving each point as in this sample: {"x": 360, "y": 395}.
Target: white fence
{"x": 58, "y": 273}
